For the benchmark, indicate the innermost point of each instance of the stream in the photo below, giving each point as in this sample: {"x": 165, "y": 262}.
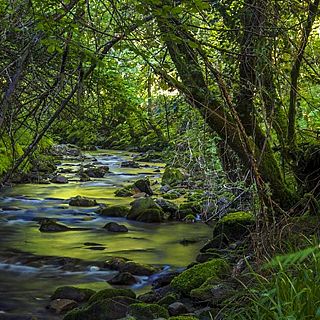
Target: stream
{"x": 33, "y": 264}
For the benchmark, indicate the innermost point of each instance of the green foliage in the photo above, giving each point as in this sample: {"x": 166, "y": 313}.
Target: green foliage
{"x": 291, "y": 292}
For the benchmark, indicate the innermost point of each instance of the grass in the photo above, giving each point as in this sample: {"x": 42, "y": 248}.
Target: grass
{"x": 291, "y": 292}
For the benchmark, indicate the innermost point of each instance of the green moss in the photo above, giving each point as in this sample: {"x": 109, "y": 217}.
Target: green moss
{"x": 168, "y": 299}
{"x": 114, "y": 211}
{"x": 194, "y": 277}
{"x": 124, "y": 192}
{"x": 110, "y": 293}
{"x": 144, "y": 311}
{"x": 204, "y": 291}
{"x": 146, "y": 210}
{"x": 150, "y": 215}
{"x": 234, "y": 226}
{"x": 107, "y": 309}
{"x": 238, "y": 216}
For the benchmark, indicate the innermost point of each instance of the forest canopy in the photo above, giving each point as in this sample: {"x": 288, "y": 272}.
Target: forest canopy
{"x": 134, "y": 73}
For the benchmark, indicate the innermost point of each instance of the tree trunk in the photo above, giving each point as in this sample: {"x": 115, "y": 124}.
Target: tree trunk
{"x": 194, "y": 86}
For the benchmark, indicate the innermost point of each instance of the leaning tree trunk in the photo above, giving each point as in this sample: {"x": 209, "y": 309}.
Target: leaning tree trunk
{"x": 252, "y": 146}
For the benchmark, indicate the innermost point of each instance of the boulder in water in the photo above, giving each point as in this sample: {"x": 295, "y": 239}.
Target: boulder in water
{"x": 124, "y": 192}
{"x": 113, "y": 211}
{"x": 79, "y": 201}
{"x": 124, "y": 265}
{"x": 59, "y": 179}
{"x": 145, "y": 210}
{"x": 97, "y": 172}
{"x": 123, "y": 278}
{"x": 130, "y": 164}
{"x": 143, "y": 185}
{"x": 115, "y": 227}
{"x": 49, "y": 225}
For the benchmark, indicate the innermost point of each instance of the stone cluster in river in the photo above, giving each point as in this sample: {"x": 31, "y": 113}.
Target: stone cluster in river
{"x": 198, "y": 292}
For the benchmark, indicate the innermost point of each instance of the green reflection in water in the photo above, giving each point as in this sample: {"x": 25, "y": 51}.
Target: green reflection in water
{"x": 146, "y": 244}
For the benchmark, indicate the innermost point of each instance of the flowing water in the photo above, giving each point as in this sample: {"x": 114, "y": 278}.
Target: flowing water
{"x": 33, "y": 264}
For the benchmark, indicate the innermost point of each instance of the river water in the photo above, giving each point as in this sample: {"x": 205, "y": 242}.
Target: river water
{"x": 33, "y": 264}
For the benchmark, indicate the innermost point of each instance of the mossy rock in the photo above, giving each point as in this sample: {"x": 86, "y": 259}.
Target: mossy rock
{"x": 145, "y": 210}
{"x": 234, "y": 226}
{"x": 195, "y": 276}
{"x": 143, "y": 185}
{"x": 106, "y": 309}
{"x": 111, "y": 293}
{"x": 144, "y": 311}
{"x": 168, "y": 299}
{"x": 124, "y": 265}
{"x": 114, "y": 211}
{"x": 80, "y": 201}
{"x": 151, "y": 216}
{"x": 204, "y": 291}
{"x": 73, "y": 293}
{"x": 172, "y": 176}
{"x": 216, "y": 293}
{"x": 124, "y": 192}
{"x": 167, "y": 206}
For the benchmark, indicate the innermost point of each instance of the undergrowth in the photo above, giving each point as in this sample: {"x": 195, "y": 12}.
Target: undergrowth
{"x": 289, "y": 291}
